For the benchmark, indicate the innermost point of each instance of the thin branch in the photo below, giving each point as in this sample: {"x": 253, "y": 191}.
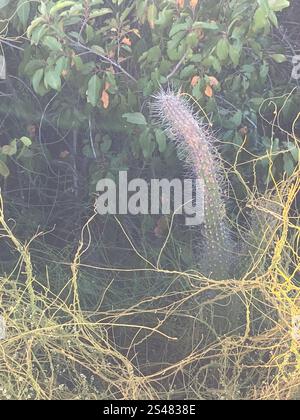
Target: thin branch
{"x": 177, "y": 66}
{"x": 106, "y": 59}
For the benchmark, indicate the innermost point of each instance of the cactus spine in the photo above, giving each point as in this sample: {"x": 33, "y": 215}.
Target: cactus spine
{"x": 195, "y": 141}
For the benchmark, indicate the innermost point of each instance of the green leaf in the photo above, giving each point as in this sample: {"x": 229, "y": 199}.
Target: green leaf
{"x": 237, "y": 118}
{"x": 206, "y": 25}
{"x": 4, "y": 171}
{"x": 52, "y": 43}
{"x": 161, "y": 140}
{"x": 235, "y": 53}
{"x": 97, "y": 49}
{"x": 23, "y": 11}
{"x": 52, "y": 79}
{"x": 32, "y": 66}
{"x": 153, "y": 55}
{"x": 36, "y": 79}
{"x": 60, "y": 5}
{"x": 260, "y": 19}
{"x": 102, "y": 12}
{"x": 222, "y": 49}
{"x": 33, "y": 25}
{"x": 26, "y": 141}
{"x": 279, "y": 58}
{"x": 278, "y": 5}
{"x": 10, "y": 149}
{"x": 294, "y": 151}
{"x": 179, "y": 27}
{"x": 135, "y": 118}
{"x": 93, "y": 92}
{"x": 61, "y": 65}
{"x": 187, "y": 71}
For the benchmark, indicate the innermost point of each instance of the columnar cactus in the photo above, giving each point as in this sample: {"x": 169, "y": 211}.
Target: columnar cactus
{"x": 195, "y": 140}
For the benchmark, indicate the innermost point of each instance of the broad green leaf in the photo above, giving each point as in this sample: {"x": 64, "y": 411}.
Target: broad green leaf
{"x": 4, "y": 171}
{"x": 60, "y": 5}
{"x": 192, "y": 40}
{"x": 279, "y": 58}
{"x": 187, "y": 71}
{"x": 10, "y": 149}
{"x": 179, "y": 27}
{"x": 52, "y": 43}
{"x": 32, "y": 66}
{"x": 61, "y": 64}
{"x": 33, "y": 25}
{"x": 26, "y": 141}
{"x": 93, "y": 92}
{"x": 237, "y": 118}
{"x": 36, "y": 79}
{"x": 260, "y": 19}
{"x": 206, "y": 25}
{"x": 222, "y": 49}
{"x": 294, "y": 151}
{"x": 152, "y": 55}
{"x": 38, "y": 33}
{"x": 101, "y": 12}
{"x": 273, "y": 18}
{"x": 235, "y": 53}
{"x": 52, "y": 79}
{"x": 278, "y": 5}
{"x": 23, "y": 11}
{"x": 135, "y": 118}
{"x": 97, "y": 49}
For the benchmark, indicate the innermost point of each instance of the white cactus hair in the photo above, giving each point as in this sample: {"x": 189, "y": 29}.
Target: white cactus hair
{"x": 196, "y": 144}
{"x": 205, "y": 130}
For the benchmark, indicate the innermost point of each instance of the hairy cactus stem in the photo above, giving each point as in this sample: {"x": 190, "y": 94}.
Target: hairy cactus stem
{"x": 195, "y": 141}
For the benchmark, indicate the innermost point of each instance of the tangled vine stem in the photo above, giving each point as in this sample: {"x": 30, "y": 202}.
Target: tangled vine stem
{"x": 196, "y": 142}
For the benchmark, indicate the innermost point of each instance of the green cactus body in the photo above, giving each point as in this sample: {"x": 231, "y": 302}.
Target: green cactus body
{"x": 196, "y": 143}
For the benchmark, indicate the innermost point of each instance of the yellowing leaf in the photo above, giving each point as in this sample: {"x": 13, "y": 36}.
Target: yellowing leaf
{"x": 208, "y": 91}
{"x": 105, "y": 96}
{"x": 195, "y": 80}
{"x": 180, "y": 4}
{"x": 136, "y": 32}
{"x": 105, "y": 99}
